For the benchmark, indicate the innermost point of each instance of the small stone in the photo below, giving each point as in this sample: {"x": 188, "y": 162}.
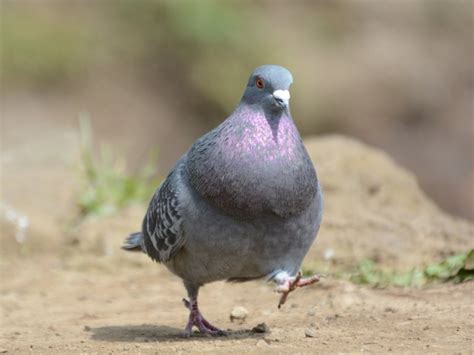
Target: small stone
{"x": 3, "y": 351}
{"x": 426, "y": 328}
{"x": 310, "y": 332}
{"x": 390, "y": 309}
{"x": 261, "y": 328}
{"x": 87, "y": 328}
{"x": 312, "y": 312}
{"x": 262, "y": 343}
{"x": 238, "y": 313}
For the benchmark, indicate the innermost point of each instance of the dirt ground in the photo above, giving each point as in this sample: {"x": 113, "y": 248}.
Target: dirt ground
{"x": 74, "y": 290}
{"x": 102, "y": 305}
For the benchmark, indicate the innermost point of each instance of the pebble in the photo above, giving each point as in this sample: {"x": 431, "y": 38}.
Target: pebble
{"x": 310, "y": 332}
{"x": 3, "y": 351}
{"x": 312, "y": 312}
{"x": 261, "y": 328}
{"x": 238, "y": 313}
{"x": 262, "y": 343}
{"x": 331, "y": 318}
{"x": 87, "y": 328}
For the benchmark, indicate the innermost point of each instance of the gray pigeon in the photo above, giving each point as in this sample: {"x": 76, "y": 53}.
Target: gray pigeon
{"x": 243, "y": 203}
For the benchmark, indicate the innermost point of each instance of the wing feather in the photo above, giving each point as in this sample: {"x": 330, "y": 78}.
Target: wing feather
{"x": 162, "y": 226}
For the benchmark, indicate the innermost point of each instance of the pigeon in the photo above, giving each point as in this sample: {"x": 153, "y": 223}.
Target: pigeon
{"x": 243, "y": 203}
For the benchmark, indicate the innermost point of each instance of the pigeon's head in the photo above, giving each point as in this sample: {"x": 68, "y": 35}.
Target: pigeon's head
{"x": 268, "y": 87}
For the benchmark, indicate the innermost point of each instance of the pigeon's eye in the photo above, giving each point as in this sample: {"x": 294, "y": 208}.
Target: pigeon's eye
{"x": 259, "y": 83}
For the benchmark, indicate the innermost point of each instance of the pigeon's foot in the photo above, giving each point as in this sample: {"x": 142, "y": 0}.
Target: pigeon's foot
{"x": 291, "y": 283}
{"x": 197, "y": 319}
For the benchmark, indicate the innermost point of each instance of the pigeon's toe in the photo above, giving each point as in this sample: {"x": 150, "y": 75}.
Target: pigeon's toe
{"x": 197, "y": 319}
{"x": 291, "y": 283}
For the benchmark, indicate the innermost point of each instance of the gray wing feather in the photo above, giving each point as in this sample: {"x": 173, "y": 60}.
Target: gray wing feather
{"x": 162, "y": 226}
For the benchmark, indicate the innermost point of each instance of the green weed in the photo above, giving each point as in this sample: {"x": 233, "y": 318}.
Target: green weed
{"x": 457, "y": 268}
{"x": 107, "y": 186}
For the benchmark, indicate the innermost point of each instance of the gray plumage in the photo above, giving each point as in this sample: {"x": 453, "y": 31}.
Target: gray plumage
{"x": 244, "y": 202}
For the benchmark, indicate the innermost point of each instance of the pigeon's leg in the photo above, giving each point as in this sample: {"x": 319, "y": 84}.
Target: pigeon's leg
{"x": 288, "y": 284}
{"x": 197, "y": 319}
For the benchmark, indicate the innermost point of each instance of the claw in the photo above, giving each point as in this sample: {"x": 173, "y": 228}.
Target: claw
{"x": 291, "y": 284}
{"x": 197, "y": 319}
{"x": 187, "y": 304}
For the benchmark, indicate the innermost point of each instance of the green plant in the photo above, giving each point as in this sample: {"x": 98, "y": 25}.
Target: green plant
{"x": 457, "y": 268}
{"x": 107, "y": 186}
{"x": 368, "y": 273}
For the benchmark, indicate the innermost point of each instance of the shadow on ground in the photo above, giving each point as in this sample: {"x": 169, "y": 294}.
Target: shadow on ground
{"x": 147, "y": 333}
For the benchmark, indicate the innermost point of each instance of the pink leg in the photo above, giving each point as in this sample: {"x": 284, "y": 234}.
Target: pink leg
{"x": 196, "y": 319}
{"x": 292, "y": 283}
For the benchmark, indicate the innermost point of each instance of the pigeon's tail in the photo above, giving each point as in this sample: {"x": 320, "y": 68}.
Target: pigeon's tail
{"x": 134, "y": 242}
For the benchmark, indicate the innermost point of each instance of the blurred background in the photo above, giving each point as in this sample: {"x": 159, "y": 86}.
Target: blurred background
{"x": 99, "y": 98}
{"x": 149, "y": 77}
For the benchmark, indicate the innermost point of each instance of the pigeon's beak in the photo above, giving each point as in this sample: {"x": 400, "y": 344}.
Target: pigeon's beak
{"x": 282, "y": 97}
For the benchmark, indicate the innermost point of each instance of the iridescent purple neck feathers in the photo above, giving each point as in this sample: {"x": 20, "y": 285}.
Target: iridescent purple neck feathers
{"x": 253, "y": 164}
{"x": 251, "y": 133}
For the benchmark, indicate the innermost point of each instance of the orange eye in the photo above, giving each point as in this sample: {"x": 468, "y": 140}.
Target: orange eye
{"x": 259, "y": 83}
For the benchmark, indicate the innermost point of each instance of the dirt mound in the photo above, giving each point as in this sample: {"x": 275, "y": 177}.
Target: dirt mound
{"x": 375, "y": 209}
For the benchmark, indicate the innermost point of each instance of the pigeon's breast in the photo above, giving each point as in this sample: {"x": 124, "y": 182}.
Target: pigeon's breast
{"x": 253, "y": 168}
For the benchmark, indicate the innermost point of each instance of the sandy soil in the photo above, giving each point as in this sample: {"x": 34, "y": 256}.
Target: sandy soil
{"x": 74, "y": 290}
{"x": 120, "y": 304}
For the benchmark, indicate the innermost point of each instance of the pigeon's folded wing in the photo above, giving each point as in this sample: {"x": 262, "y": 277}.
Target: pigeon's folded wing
{"x": 162, "y": 226}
